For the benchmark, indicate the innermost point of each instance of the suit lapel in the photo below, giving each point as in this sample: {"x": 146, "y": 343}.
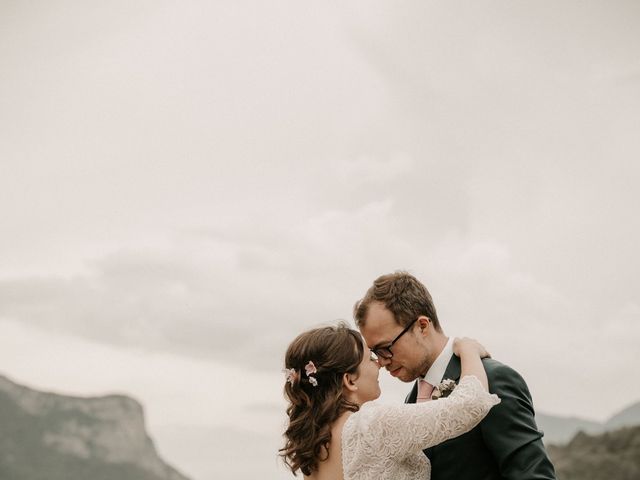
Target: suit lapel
{"x": 413, "y": 394}
{"x": 452, "y": 372}
{"x": 453, "y": 369}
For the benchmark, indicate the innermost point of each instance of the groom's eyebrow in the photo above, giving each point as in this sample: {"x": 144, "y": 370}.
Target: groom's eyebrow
{"x": 380, "y": 344}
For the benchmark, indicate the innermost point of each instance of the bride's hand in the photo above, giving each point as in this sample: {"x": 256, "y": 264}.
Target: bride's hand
{"x": 471, "y": 346}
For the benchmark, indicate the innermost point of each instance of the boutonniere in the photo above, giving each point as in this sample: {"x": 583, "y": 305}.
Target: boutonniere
{"x": 444, "y": 389}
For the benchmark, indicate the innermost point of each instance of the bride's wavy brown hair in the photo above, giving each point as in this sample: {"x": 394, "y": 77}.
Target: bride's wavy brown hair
{"x": 334, "y": 351}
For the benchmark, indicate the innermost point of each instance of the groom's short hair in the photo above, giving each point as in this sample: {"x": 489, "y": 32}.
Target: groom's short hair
{"x": 403, "y": 295}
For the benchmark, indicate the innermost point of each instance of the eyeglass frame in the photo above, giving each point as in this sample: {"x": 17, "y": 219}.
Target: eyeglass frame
{"x": 377, "y": 350}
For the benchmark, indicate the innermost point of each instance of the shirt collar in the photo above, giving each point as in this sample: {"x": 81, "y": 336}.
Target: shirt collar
{"x": 436, "y": 372}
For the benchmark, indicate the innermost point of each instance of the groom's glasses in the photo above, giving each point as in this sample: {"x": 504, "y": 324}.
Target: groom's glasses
{"x": 385, "y": 352}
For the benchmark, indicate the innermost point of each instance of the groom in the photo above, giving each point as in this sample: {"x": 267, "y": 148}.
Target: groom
{"x": 398, "y": 320}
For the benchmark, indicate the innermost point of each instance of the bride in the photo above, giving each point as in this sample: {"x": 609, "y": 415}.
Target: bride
{"x": 336, "y": 432}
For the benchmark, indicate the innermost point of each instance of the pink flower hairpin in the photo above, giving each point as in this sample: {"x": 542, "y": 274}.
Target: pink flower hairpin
{"x": 311, "y": 369}
{"x": 290, "y": 375}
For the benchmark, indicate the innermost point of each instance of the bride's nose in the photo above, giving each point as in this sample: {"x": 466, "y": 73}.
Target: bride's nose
{"x": 383, "y": 362}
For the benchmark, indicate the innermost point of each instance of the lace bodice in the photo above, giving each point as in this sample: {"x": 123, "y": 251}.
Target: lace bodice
{"x": 386, "y": 441}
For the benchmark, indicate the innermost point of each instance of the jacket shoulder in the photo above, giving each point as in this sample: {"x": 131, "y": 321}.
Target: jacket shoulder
{"x": 508, "y": 384}
{"x": 496, "y": 368}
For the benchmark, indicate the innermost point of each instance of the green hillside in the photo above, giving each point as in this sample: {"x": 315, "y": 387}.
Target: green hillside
{"x": 612, "y": 455}
{"x": 46, "y": 436}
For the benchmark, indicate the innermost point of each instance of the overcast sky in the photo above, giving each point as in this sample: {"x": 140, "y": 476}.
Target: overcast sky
{"x": 185, "y": 186}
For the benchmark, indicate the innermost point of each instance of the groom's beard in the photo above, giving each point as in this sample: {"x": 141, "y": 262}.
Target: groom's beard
{"x": 410, "y": 373}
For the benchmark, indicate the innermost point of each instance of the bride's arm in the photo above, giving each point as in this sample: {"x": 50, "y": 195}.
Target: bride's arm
{"x": 397, "y": 430}
{"x": 471, "y": 354}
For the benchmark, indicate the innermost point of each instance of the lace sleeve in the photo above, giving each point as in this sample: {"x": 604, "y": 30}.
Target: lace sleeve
{"x": 398, "y": 430}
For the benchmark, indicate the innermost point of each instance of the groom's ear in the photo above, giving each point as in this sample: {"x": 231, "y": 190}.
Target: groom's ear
{"x": 424, "y": 323}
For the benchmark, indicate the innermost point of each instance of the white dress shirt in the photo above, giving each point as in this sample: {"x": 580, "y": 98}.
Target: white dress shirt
{"x": 436, "y": 372}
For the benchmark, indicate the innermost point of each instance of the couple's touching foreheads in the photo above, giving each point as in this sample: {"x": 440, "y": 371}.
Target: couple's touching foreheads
{"x": 466, "y": 417}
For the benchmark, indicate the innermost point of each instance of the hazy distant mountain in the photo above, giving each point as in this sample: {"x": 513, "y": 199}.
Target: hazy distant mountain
{"x": 559, "y": 430}
{"x": 612, "y": 455}
{"x": 45, "y": 436}
{"x": 628, "y": 417}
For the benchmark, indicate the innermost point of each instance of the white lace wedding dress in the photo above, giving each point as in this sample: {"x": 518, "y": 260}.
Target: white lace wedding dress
{"x": 386, "y": 441}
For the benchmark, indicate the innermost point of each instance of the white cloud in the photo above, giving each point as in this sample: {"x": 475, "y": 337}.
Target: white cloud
{"x": 175, "y": 390}
{"x": 190, "y": 186}
{"x": 369, "y": 172}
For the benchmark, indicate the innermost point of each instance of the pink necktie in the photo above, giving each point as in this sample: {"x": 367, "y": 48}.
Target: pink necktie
{"x": 424, "y": 391}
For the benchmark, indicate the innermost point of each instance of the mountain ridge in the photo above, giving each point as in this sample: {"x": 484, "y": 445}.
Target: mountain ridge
{"x": 613, "y": 454}
{"x": 55, "y": 436}
{"x": 560, "y": 430}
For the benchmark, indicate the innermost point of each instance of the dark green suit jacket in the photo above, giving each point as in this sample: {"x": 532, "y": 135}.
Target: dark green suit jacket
{"x": 506, "y": 445}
